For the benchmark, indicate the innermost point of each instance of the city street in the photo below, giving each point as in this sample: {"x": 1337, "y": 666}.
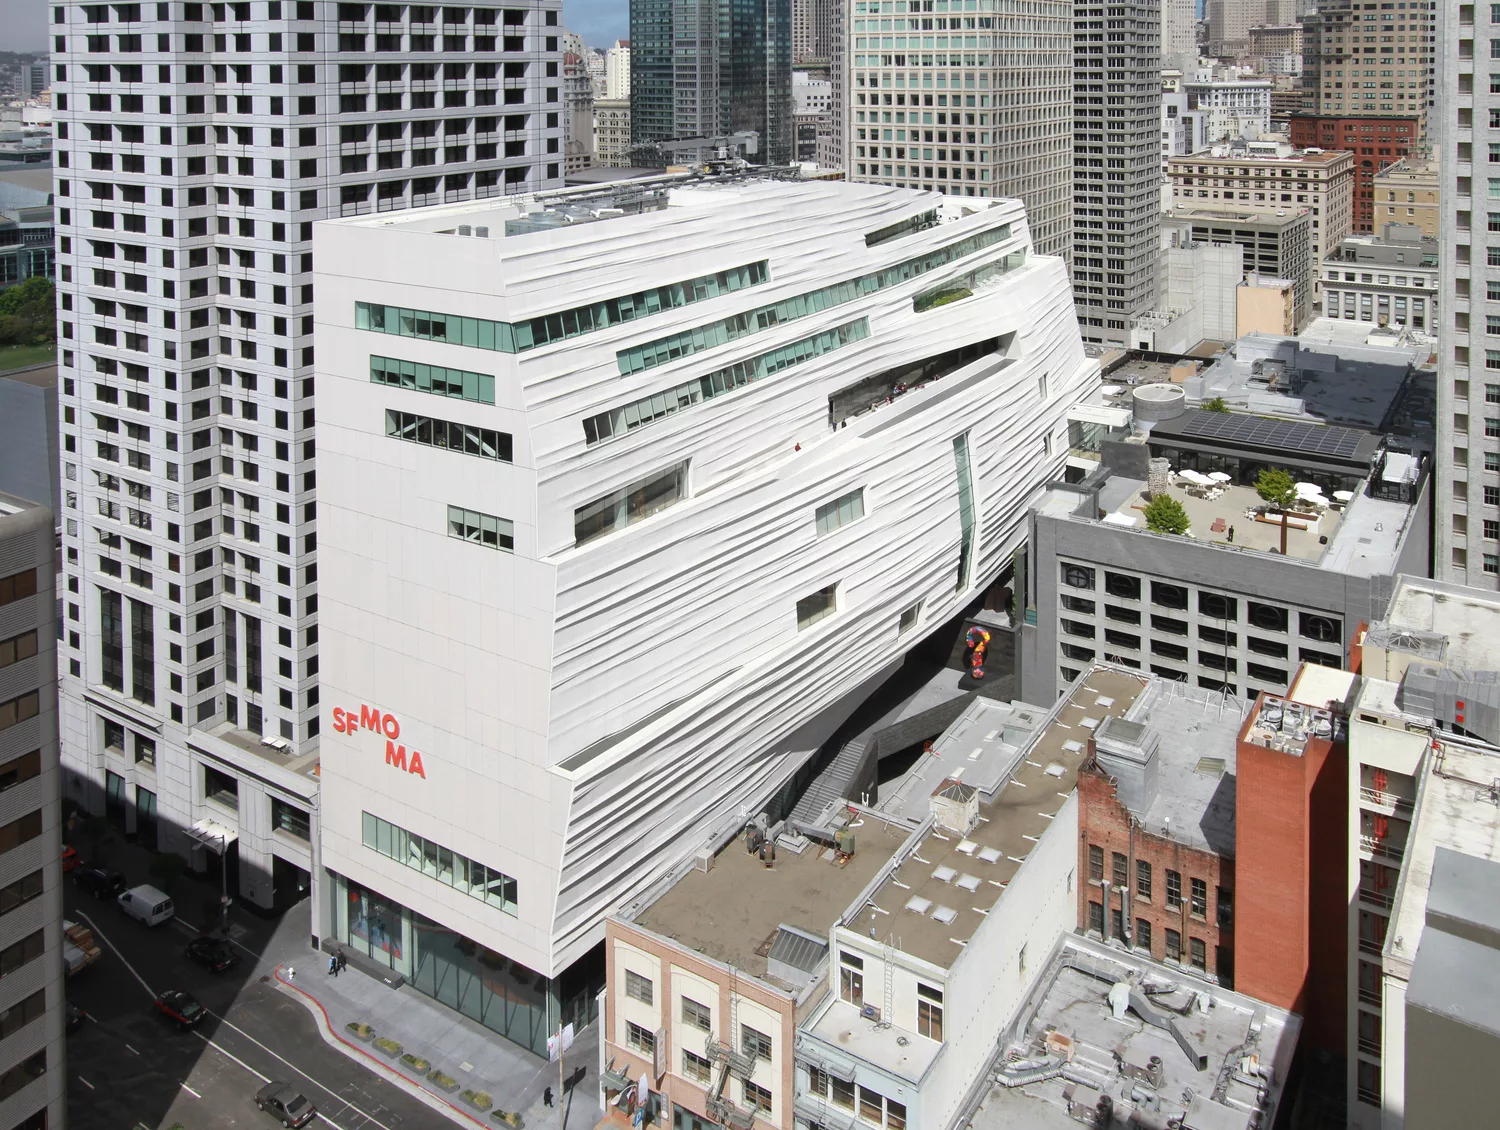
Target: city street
{"x": 129, "y": 1067}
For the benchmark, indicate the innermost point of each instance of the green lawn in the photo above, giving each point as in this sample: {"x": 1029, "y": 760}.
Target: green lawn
{"x": 22, "y": 356}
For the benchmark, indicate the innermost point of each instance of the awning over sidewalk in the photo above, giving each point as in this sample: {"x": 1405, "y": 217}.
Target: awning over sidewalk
{"x": 213, "y": 835}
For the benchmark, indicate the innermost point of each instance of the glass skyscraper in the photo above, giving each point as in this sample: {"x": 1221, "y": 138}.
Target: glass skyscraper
{"x": 709, "y": 68}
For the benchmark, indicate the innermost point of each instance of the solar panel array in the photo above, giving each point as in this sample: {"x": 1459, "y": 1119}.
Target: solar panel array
{"x": 1284, "y": 435}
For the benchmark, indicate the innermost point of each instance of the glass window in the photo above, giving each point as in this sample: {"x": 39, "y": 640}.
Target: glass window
{"x": 929, "y": 1012}
{"x": 818, "y": 606}
{"x": 440, "y": 863}
{"x": 290, "y": 819}
{"x": 840, "y": 512}
{"x": 640, "y": 1039}
{"x": 630, "y": 504}
{"x": 639, "y": 413}
{"x": 1143, "y": 879}
{"x": 1096, "y": 862}
{"x": 697, "y": 1015}
{"x": 1174, "y": 888}
{"x": 1199, "y": 897}
{"x": 638, "y": 987}
{"x": 753, "y": 1042}
{"x": 484, "y": 529}
{"x": 457, "y": 383}
{"x": 466, "y": 439}
{"x": 518, "y": 337}
{"x": 1174, "y": 945}
{"x": 690, "y": 341}
{"x": 696, "y": 1067}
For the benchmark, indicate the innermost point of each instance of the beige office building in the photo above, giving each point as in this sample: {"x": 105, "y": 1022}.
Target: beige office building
{"x": 1278, "y": 180}
{"x": 1407, "y": 193}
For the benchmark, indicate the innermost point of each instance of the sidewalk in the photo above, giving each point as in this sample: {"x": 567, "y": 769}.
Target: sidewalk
{"x": 474, "y": 1057}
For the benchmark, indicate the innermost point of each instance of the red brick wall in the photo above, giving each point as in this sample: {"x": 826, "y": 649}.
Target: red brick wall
{"x": 1291, "y": 842}
{"x": 1375, "y": 143}
{"x": 1104, "y": 822}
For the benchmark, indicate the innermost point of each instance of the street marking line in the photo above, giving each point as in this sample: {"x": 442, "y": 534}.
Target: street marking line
{"x": 86, "y": 1083}
{"x": 131, "y": 1050}
{"x": 359, "y": 1055}
{"x": 263, "y": 1078}
{"x": 190, "y": 1091}
{"x": 115, "y": 950}
{"x": 224, "y": 1020}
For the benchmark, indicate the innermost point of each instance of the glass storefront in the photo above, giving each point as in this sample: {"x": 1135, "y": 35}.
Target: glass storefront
{"x": 503, "y": 995}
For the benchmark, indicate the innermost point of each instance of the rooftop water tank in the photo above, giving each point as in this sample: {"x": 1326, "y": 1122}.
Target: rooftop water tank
{"x": 1156, "y": 402}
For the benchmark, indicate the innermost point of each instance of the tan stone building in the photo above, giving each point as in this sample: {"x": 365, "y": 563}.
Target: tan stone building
{"x": 1407, "y": 193}
{"x": 612, "y": 132}
{"x": 1273, "y": 178}
{"x": 1358, "y": 61}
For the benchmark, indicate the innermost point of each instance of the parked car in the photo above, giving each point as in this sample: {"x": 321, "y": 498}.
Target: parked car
{"x": 100, "y": 881}
{"x": 286, "y": 1103}
{"x": 146, "y": 904}
{"x": 70, "y": 858}
{"x": 75, "y": 1017}
{"x": 212, "y": 953}
{"x": 180, "y": 1006}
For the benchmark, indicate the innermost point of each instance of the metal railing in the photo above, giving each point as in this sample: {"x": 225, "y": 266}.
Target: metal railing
{"x": 1384, "y": 799}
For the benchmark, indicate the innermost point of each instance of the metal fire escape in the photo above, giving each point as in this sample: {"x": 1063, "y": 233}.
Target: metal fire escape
{"x": 740, "y": 1064}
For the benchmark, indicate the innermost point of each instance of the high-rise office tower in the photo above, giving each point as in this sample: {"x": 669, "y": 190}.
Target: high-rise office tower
{"x": 1465, "y": 546}
{"x": 33, "y": 1091}
{"x": 1179, "y": 34}
{"x": 709, "y": 68}
{"x": 617, "y": 70}
{"x": 1117, "y": 173}
{"x": 814, "y": 24}
{"x": 1340, "y": 45}
{"x": 968, "y": 114}
{"x": 196, "y": 145}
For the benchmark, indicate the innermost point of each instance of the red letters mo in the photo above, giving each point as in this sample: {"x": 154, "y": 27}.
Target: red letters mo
{"x": 346, "y": 721}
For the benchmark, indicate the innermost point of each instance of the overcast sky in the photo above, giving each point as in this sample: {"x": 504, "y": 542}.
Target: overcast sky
{"x": 23, "y": 23}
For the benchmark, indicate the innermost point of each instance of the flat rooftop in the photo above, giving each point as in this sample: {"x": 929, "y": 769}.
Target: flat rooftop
{"x": 1456, "y": 972}
{"x": 955, "y": 881}
{"x": 1469, "y": 618}
{"x": 1302, "y": 157}
{"x": 1364, "y": 536}
{"x": 1455, "y": 809}
{"x": 980, "y": 746}
{"x": 1113, "y": 1057}
{"x": 729, "y": 912}
{"x": 305, "y": 765}
{"x": 1195, "y": 733}
{"x": 1229, "y": 215}
{"x": 582, "y": 206}
{"x": 1352, "y": 384}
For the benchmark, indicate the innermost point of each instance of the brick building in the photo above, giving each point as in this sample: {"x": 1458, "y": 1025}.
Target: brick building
{"x": 1156, "y": 830}
{"x": 1376, "y": 143}
{"x": 1291, "y": 852}
{"x": 1211, "y": 834}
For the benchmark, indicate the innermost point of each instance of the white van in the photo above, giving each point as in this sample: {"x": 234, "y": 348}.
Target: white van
{"x": 145, "y": 903}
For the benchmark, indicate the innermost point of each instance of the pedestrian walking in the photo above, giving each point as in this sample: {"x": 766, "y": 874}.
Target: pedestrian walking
{"x": 333, "y": 965}
{"x": 547, "y": 1097}
{"x": 343, "y": 961}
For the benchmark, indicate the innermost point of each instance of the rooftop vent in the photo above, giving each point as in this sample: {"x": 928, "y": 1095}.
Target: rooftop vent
{"x": 955, "y": 806}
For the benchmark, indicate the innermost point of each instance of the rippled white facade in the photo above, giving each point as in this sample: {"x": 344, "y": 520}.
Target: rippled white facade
{"x": 589, "y": 713}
